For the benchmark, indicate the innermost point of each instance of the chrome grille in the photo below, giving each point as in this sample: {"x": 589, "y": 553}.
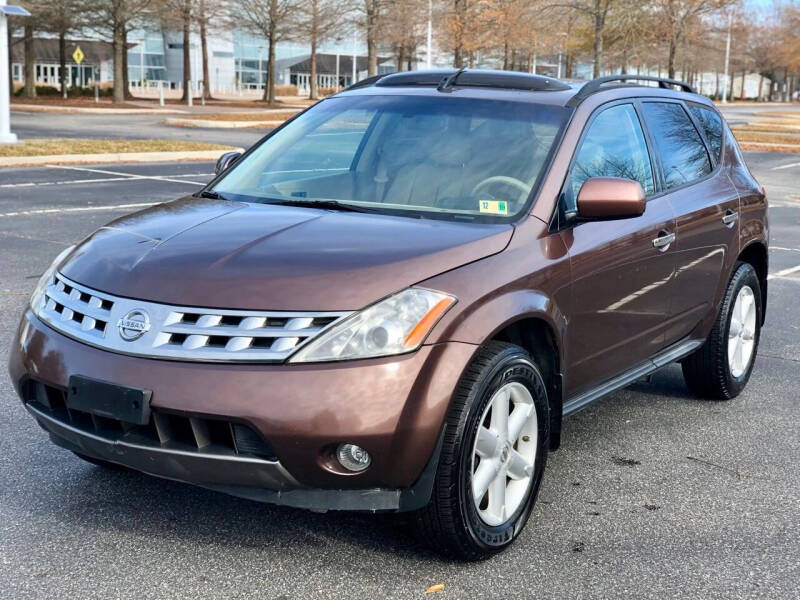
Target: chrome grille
{"x": 77, "y": 310}
{"x": 176, "y": 332}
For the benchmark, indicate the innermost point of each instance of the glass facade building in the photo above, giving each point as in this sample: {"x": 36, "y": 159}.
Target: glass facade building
{"x": 146, "y": 58}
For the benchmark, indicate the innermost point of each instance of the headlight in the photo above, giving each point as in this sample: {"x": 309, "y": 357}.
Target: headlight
{"x": 38, "y": 297}
{"x": 397, "y": 324}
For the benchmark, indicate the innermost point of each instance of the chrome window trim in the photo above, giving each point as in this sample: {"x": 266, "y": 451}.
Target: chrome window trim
{"x": 98, "y": 326}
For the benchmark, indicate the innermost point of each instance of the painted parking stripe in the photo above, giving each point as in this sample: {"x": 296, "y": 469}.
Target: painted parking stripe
{"x": 51, "y": 211}
{"x": 64, "y": 182}
{"x": 789, "y": 166}
{"x": 128, "y": 175}
{"x": 783, "y": 273}
{"x": 100, "y": 180}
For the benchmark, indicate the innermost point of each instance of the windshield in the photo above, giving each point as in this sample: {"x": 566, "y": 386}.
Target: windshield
{"x": 477, "y": 159}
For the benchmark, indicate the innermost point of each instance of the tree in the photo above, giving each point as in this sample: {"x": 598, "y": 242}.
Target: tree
{"x": 405, "y": 30}
{"x": 111, "y": 18}
{"x": 374, "y": 13}
{"x": 463, "y": 28}
{"x": 272, "y": 19}
{"x": 676, "y": 17}
{"x": 207, "y": 12}
{"x": 29, "y": 25}
{"x": 186, "y": 24}
{"x": 318, "y": 20}
{"x": 597, "y": 14}
{"x": 179, "y": 14}
{"x": 30, "y": 61}
{"x": 61, "y": 17}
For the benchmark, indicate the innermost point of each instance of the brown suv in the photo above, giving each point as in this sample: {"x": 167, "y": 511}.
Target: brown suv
{"x": 390, "y": 301}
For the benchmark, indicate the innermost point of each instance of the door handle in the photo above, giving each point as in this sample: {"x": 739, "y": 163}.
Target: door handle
{"x": 663, "y": 241}
{"x": 730, "y": 217}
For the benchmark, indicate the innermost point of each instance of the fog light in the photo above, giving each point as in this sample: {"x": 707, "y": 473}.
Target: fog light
{"x": 352, "y": 457}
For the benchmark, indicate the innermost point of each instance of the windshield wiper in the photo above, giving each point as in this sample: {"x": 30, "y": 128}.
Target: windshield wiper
{"x": 323, "y": 204}
{"x": 211, "y": 194}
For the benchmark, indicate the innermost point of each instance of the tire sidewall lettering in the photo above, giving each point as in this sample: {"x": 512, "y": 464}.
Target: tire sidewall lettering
{"x": 522, "y": 371}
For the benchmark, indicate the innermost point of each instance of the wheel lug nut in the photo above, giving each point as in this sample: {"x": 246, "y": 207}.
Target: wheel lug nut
{"x": 526, "y": 438}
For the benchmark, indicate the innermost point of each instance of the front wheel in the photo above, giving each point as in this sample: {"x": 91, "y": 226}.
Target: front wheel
{"x": 721, "y": 367}
{"x": 493, "y": 457}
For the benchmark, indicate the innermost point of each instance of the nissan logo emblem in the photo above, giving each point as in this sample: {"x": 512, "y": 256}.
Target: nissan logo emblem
{"x": 133, "y": 325}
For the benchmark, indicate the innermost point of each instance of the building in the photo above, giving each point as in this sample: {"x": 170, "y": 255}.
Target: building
{"x": 331, "y": 68}
{"x": 97, "y": 65}
{"x": 237, "y": 61}
{"x": 146, "y": 58}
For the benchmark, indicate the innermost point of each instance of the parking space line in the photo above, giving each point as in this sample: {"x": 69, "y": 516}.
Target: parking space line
{"x": 128, "y": 175}
{"x": 103, "y": 180}
{"x": 65, "y": 182}
{"x": 50, "y": 211}
{"x": 789, "y": 166}
{"x": 784, "y": 272}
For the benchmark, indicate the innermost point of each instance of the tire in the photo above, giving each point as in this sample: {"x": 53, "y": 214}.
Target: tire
{"x": 708, "y": 371}
{"x": 452, "y": 523}
{"x": 100, "y": 462}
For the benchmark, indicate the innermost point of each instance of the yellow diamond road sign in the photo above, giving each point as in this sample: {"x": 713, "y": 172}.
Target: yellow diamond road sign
{"x": 77, "y": 56}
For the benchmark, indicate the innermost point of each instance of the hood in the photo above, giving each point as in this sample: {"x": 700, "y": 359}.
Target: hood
{"x": 220, "y": 254}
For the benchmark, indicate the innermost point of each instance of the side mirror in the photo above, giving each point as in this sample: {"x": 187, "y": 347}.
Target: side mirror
{"x": 225, "y": 161}
{"x": 610, "y": 198}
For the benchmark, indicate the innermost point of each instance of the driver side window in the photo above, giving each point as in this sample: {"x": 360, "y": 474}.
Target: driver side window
{"x": 614, "y": 146}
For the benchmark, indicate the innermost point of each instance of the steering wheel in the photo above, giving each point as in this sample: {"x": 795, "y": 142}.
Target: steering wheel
{"x": 523, "y": 187}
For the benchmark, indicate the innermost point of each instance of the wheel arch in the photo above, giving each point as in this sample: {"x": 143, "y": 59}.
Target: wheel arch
{"x": 536, "y": 335}
{"x": 529, "y": 318}
{"x": 756, "y": 255}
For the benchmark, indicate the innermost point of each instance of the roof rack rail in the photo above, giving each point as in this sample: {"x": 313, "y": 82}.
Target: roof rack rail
{"x": 596, "y": 84}
{"x": 446, "y": 79}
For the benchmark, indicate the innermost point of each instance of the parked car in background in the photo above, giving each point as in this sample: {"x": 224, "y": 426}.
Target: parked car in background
{"x": 391, "y": 301}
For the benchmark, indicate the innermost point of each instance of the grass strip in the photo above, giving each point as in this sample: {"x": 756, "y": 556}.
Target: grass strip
{"x": 48, "y": 147}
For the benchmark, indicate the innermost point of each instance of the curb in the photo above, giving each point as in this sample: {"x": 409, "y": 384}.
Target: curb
{"x": 94, "y": 111}
{"x": 210, "y": 124}
{"x": 121, "y": 157}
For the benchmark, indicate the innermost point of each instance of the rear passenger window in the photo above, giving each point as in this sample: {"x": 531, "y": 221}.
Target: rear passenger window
{"x": 712, "y": 127}
{"x": 683, "y": 155}
{"x": 614, "y": 146}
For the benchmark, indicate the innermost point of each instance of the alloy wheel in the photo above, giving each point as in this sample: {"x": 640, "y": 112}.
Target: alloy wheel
{"x": 504, "y": 453}
{"x": 741, "y": 332}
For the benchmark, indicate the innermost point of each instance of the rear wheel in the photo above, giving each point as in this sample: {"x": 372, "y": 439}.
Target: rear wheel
{"x": 720, "y": 368}
{"x": 493, "y": 456}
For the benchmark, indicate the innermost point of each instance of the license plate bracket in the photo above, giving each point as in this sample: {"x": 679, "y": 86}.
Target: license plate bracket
{"x": 109, "y": 400}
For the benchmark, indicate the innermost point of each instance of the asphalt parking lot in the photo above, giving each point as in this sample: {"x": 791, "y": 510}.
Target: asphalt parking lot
{"x": 653, "y": 494}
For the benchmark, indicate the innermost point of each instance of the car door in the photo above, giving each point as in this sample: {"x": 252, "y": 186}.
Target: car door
{"x": 620, "y": 279}
{"x": 706, "y": 206}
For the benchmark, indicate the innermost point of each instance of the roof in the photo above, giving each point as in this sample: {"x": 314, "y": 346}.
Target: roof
{"x": 45, "y": 50}
{"x": 514, "y": 85}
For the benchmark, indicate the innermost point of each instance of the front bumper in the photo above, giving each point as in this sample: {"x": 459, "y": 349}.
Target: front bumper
{"x": 395, "y": 408}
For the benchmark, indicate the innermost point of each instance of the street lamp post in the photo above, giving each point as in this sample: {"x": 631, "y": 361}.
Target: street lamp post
{"x": 260, "y": 70}
{"x": 428, "y": 49}
{"x": 727, "y": 59}
{"x": 6, "y": 137}
{"x": 561, "y": 50}
{"x": 355, "y": 58}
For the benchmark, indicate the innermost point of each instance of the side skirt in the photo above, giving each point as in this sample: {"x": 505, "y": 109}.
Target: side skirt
{"x": 665, "y": 357}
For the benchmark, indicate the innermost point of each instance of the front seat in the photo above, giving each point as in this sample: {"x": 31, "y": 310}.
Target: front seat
{"x": 441, "y": 176}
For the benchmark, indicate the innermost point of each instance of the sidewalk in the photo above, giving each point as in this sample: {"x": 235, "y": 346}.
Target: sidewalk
{"x": 92, "y": 110}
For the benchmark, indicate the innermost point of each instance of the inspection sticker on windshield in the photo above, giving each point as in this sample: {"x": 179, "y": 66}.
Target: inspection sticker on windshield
{"x": 493, "y": 207}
